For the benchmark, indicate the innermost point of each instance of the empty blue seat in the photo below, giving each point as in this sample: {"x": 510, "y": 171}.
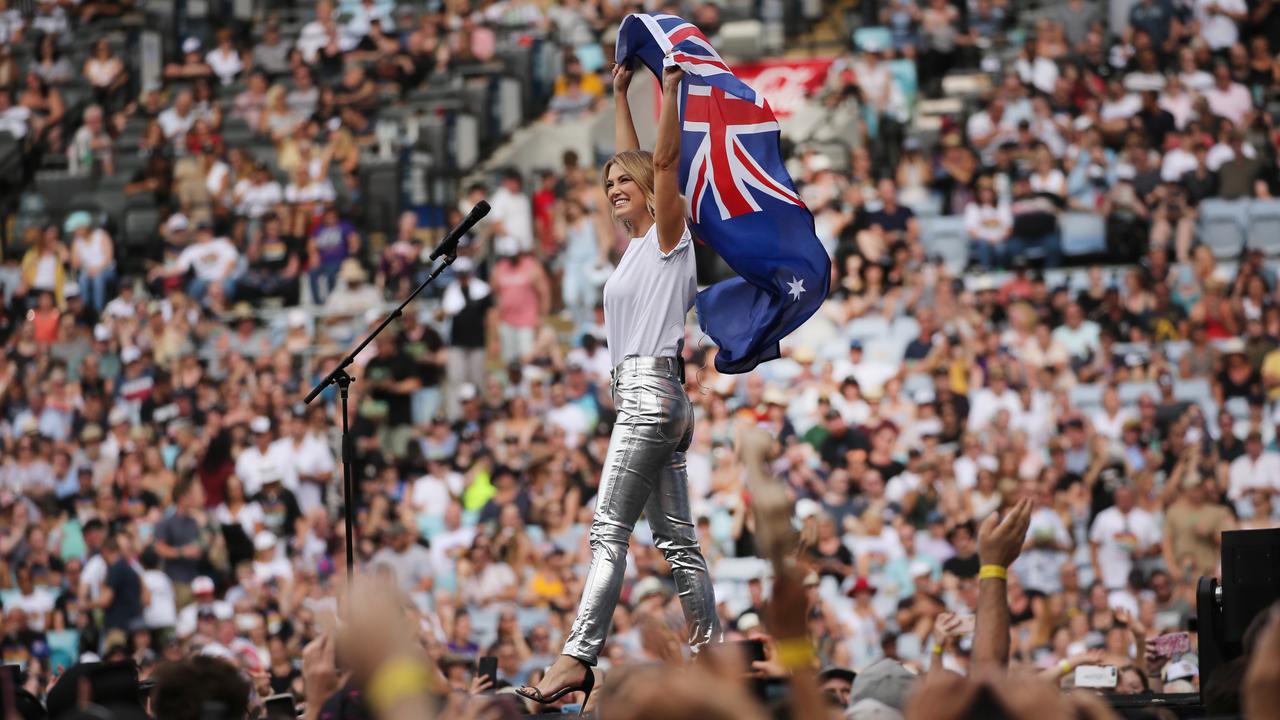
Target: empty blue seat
{"x": 1222, "y": 226}
{"x": 945, "y": 237}
{"x": 1264, "y": 226}
{"x": 1082, "y": 233}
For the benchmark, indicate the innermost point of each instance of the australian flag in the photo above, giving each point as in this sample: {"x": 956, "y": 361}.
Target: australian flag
{"x": 741, "y": 199}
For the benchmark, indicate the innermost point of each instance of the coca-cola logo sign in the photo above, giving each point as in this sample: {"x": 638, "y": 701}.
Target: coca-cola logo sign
{"x": 784, "y": 83}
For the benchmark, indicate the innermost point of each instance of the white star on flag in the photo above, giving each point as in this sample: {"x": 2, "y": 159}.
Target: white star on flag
{"x": 796, "y": 287}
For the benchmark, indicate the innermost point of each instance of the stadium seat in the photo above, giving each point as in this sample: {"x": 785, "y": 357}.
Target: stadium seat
{"x": 1222, "y": 226}
{"x": 1131, "y": 391}
{"x": 946, "y": 237}
{"x": 1087, "y": 397}
{"x": 60, "y": 188}
{"x": 741, "y": 39}
{"x": 1082, "y": 234}
{"x": 140, "y": 226}
{"x": 1193, "y": 390}
{"x": 917, "y": 383}
{"x": 1264, "y": 226}
{"x": 740, "y": 569}
{"x": 867, "y": 328}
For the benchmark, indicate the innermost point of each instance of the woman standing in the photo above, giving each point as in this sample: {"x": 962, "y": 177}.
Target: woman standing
{"x": 645, "y": 304}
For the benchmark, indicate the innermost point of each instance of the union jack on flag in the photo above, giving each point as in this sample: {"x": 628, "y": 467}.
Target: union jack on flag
{"x": 741, "y": 199}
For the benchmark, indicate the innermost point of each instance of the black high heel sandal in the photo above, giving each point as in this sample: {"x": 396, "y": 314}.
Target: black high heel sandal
{"x": 588, "y": 684}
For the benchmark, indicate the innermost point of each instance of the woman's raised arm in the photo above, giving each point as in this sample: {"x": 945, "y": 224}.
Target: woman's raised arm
{"x": 624, "y": 128}
{"x": 668, "y": 205}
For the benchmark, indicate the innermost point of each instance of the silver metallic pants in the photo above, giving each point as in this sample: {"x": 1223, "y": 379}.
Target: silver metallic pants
{"x": 645, "y": 471}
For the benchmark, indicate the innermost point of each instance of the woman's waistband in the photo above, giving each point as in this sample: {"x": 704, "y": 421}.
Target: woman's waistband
{"x": 664, "y": 366}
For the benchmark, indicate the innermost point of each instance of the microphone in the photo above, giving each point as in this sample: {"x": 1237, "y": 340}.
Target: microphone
{"x": 449, "y": 246}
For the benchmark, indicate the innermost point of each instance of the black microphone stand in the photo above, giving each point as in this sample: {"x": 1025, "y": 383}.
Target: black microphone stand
{"x": 448, "y": 250}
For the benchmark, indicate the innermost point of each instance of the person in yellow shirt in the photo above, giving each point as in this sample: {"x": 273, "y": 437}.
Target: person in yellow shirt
{"x": 1271, "y": 374}
{"x": 576, "y": 92}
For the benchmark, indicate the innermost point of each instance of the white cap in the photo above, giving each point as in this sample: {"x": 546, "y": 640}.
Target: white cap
{"x": 118, "y": 416}
{"x": 202, "y": 585}
{"x": 191, "y": 44}
{"x": 463, "y": 265}
{"x": 260, "y": 424}
{"x": 297, "y": 318}
{"x": 177, "y": 222}
{"x": 506, "y": 246}
{"x": 130, "y": 354}
{"x": 467, "y": 391}
{"x": 807, "y": 508}
{"x": 71, "y": 290}
{"x": 101, "y": 332}
{"x": 920, "y": 567}
{"x": 1180, "y": 670}
{"x": 264, "y": 541}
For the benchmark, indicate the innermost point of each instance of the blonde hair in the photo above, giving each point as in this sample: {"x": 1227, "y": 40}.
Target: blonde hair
{"x": 638, "y": 164}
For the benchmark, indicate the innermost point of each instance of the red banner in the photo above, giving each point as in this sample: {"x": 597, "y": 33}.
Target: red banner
{"x": 784, "y": 83}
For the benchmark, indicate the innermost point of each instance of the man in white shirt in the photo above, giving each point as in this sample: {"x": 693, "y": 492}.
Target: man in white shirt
{"x": 1219, "y": 21}
{"x": 1120, "y": 536}
{"x": 1254, "y": 469}
{"x": 311, "y": 460}
{"x": 432, "y": 493}
{"x": 511, "y": 214}
{"x": 175, "y": 121}
{"x": 990, "y": 400}
{"x": 452, "y": 542}
{"x": 1079, "y": 336}
{"x": 265, "y": 461}
{"x": 1047, "y": 545}
{"x": 211, "y": 260}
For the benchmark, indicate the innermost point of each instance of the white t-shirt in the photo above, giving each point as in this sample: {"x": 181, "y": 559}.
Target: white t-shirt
{"x": 648, "y": 296}
{"x": 209, "y": 259}
{"x": 175, "y": 125}
{"x": 1177, "y": 162}
{"x": 1079, "y": 341}
{"x": 36, "y": 606}
{"x": 1118, "y": 537}
{"x": 1040, "y": 568}
{"x": 254, "y": 467}
{"x": 256, "y": 200}
{"x": 312, "y": 457}
{"x": 225, "y": 64}
{"x": 1111, "y": 426}
{"x": 1219, "y": 31}
{"x": 430, "y": 495}
{"x": 991, "y": 223}
{"x": 249, "y": 517}
{"x": 514, "y": 211}
{"x": 1247, "y": 474}
{"x": 91, "y": 251}
{"x": 163, "y": 610}
{"x": 1122, "y": 109}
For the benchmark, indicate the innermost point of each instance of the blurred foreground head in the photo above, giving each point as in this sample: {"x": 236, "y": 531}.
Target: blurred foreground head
{"x": 684, "y": 692}
{"x": 199, "y": 688}
{"x": 948, "y": 696}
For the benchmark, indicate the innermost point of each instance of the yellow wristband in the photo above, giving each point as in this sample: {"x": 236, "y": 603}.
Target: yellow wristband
{"x": 993, "y": 572}
{"x": 395, "y": 680}
{"x": 1064, "y": 667}
{"x": 936, "y": 649}
{"x": 795, "y": 653}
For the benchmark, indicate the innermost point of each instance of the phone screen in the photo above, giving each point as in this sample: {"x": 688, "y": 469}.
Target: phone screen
{"x": 280, "y": 707}
{"x": 487, "y": 666}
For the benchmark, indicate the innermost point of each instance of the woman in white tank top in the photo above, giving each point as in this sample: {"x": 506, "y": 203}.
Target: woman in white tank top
{"x": 646, "y": 300}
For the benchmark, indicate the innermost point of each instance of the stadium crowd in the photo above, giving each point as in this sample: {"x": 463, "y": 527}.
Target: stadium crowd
{"x": 164, "y": 494}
